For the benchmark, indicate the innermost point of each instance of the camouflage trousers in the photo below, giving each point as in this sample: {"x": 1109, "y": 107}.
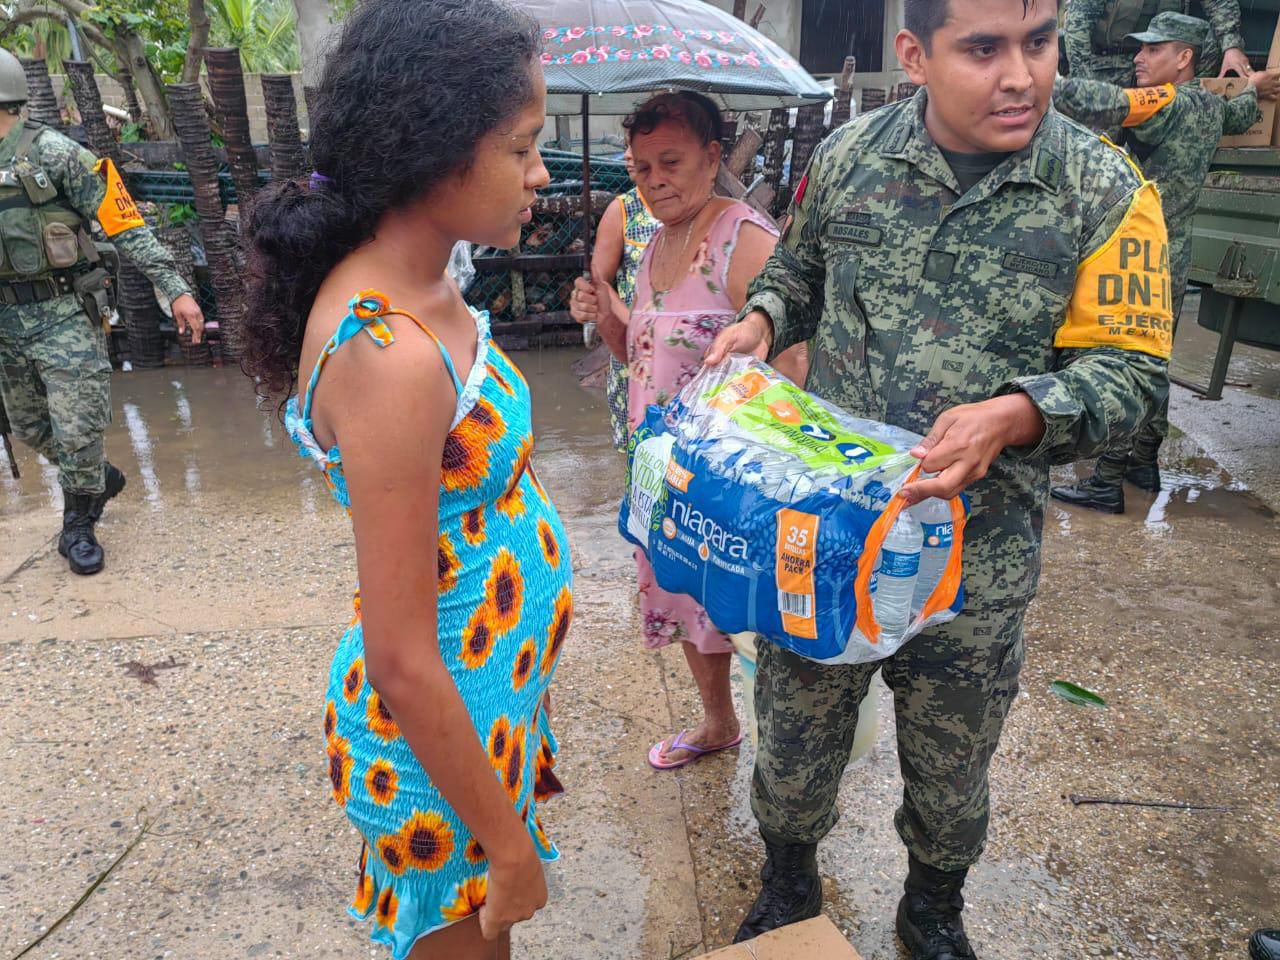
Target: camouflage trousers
{"x": 1144, "y": 449}
{"x": 952, "y": 688}
{"x": 55, "y": 379}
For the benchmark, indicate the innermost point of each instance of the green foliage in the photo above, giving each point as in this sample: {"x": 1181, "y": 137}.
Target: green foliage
{"x": 133, "y": 133}
{"x": 167, "y": 59}
{"x": 162, "y": 25}
{"x": 264, "y": 30}
{"x": 176, "y": 214}
{"x": 49, "y": 35}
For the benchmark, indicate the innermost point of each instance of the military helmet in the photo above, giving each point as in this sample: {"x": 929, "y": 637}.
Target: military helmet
{"x": 13, "y": 79}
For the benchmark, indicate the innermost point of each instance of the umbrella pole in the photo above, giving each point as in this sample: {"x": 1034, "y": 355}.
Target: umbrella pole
{"x": 586, "y": 183}
{"x": 589, "y": 329}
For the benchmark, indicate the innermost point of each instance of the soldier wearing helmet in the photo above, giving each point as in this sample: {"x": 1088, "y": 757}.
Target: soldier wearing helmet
{"x": 55, "y": 378}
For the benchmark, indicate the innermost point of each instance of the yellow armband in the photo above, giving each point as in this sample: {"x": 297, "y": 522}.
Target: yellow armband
{"x": 1123, "y": 297}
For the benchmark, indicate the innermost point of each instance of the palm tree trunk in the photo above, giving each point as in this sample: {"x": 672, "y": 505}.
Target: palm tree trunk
{"x": 226, "y": 84}
{"x": 42, "y": 102}
{"x": 219, "y": 240}
{"x": 89, "y": 102}
{"x": 288, "y": 156}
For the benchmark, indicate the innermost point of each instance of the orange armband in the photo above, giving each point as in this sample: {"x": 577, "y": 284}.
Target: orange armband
{"x": 1146, "y": 102}
{"x": 117, "y": 212}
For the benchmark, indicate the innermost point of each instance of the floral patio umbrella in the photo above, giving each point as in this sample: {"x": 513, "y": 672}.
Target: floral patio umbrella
{"x": 618, "y": 52}
{"x": 608, "y": 56}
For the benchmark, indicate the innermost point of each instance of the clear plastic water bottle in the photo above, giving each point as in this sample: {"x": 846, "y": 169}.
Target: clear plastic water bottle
{"x": 896, "y": 574}
{"x": 934, "y": 516}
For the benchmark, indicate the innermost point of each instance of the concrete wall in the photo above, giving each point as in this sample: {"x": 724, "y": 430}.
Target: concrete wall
{"x": 113, "y": 95}
{"x": 892, "y": 74}
{"x": 780, "y": 23}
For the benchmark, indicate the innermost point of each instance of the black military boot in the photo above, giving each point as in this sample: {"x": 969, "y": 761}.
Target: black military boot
{"x": 1264, "y": 945}
{"x": 80, "y": 511}
{"x": 1094, "y": 493}
{"x": 929, "y": 920}
{"x": 116, "y": 481}
{"x": 1144, "y": 476}
{"x": 791, "y": 889}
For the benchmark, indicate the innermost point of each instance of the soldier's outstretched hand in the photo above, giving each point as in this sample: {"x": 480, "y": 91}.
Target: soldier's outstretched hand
{"x": 1267, "y": 83}
{"x": 965, "y": 439}
{"x": 751, "y": 335}
{"x": 187, "y": 313}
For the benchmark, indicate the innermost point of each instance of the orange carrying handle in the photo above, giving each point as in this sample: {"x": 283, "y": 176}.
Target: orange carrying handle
{"x": 944, "y": 594}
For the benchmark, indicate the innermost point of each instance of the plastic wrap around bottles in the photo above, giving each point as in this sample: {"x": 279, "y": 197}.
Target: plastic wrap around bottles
{"x": 777, "y": 512}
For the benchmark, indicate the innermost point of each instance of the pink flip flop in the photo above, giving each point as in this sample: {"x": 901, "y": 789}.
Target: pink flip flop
{"x": 697, "y": 753}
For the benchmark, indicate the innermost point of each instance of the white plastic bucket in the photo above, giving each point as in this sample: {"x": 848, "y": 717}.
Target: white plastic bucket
{"x": 868, "y": 711}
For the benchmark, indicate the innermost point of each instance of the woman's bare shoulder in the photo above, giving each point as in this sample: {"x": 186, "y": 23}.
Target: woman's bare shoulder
{"x": 364, "y": 373}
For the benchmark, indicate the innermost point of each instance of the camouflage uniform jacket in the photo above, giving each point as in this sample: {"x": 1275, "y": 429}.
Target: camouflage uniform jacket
{"x": 1116, "y": 66}
{"x": 72, "y": 169}
{"x": 917, "y": 299}
{"x": 1172, "y": 131}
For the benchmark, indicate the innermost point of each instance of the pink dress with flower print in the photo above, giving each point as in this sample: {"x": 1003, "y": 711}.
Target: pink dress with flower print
{"x": 667, "y": 335}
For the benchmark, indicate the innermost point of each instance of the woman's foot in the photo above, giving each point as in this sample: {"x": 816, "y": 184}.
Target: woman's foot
{"x": 688, "y": 745}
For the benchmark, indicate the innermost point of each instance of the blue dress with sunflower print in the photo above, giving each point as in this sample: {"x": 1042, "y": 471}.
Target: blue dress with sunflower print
{"x": 505, "y": 604}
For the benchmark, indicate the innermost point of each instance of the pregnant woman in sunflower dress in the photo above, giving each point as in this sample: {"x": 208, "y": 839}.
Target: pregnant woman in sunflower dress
{"x": 438, "y": 744}
{"x": 503, "y": 612}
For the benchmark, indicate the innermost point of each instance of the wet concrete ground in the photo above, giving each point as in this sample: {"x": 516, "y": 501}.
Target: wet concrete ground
{"x": 230, "y": 571}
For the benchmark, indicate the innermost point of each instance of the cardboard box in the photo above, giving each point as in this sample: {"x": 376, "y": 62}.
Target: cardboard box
{"x": 817, "y": 939}
{"x": 1261, "y": 134}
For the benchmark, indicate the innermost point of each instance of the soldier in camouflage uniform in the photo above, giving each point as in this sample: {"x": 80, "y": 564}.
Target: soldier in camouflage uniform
{"x": 966, "y": 264}
{"x": 1098, "y": 37}
{"x": 55, "y": 379}
{"x": 1171, "y": 126}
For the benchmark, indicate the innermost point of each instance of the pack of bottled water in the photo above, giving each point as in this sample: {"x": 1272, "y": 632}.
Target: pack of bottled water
{"x": 777, "y": 512}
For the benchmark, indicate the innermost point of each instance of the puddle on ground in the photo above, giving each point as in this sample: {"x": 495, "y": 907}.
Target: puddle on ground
{"x": 187, "y": 435}
{"x": 184, "y": 435}
{"x": 1194, "y": 487}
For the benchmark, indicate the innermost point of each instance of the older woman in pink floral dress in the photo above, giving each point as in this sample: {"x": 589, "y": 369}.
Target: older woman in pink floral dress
{"x": 691, "y": 284}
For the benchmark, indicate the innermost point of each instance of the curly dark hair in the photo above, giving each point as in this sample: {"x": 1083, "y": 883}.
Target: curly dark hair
{"x": 695, "y": 110}
{"x": 407, "y": 93}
